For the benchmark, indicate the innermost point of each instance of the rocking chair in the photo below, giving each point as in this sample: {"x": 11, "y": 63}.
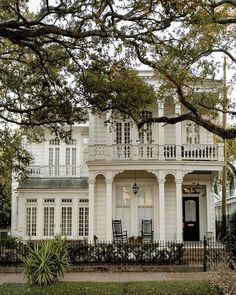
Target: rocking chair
{"x": 118, "y": 234}
{"x": 147, "y": 232}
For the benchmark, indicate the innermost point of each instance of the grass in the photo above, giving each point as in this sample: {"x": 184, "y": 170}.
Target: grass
{"x": 126, "y": 288}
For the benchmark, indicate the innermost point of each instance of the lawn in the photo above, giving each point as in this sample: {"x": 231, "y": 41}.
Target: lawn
{"x": 134, "y": 288}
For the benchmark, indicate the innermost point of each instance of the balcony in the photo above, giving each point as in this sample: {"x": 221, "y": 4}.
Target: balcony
{"x": 185, "y": 152}
{"x": 58, "y": 171}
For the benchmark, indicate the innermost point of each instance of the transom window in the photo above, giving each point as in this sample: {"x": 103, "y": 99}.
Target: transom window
{"x": 54, "y": 141}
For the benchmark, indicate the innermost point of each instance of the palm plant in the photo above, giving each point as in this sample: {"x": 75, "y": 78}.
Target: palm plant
{"x": 46, "y": 262}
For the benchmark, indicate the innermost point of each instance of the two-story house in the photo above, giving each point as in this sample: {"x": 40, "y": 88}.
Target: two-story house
{"x": 75, "y": 189}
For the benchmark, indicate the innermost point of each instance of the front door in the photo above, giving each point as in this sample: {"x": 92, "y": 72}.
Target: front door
{"x": 191, "y": 218}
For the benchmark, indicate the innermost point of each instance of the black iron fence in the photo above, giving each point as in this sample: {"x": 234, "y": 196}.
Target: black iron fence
{"x": 203, "y": 253}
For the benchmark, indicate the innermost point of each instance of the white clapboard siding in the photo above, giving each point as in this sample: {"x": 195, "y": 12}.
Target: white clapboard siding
{"x": 100, "y": 130}
{"x": 100, "y": 209}
{"x": 37, "y": 151}
{"x": 169, "y": 134}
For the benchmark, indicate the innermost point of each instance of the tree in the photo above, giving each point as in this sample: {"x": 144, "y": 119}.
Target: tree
{"x": 43, "y": 55}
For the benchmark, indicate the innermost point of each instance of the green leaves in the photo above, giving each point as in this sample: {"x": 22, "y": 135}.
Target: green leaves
{"x": 46, "y": 262}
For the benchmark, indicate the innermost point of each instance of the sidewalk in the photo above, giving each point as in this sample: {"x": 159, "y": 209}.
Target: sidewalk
{"x": 113, "y": 276}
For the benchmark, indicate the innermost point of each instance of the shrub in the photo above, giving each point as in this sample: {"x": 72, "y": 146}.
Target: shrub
{"x": 46, "y": 262}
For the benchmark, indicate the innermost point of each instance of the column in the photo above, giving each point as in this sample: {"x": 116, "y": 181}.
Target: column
{"x": 179, "y": 210}
{"x": 21, "y": 220}
{"x": 75, "y": 217}
{"x": 209, "y": 193}
{"x": 161, "y": 182}
{"x": 14, "y": 206}
{"x": 57, "y": 217}
{"x": 40, "y": 218}
{"x": 91, "y": 209}
{"x": 178, "y": 133}
{"x": 109, "y": 209}
{"x": 161, "y": 134}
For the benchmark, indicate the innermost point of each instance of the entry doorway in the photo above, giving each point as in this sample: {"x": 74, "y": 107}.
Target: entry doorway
{"x": 191, "y": 218}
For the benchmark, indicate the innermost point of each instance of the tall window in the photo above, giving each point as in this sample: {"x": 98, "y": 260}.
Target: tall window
{"x": 83, "y": 217}
{"x": 192, "y": 133}
{"x": 31, "y": 217}
{"x": 66, "y": 217}
{"x": 54, "y": 157}
{"x": 123, "y": 139}
{"x": 123, "y": 202}
{"x": 48, "y": 227}
{"x": 145, "y": 204}
{"x": 70, "y": 161}
{"x": 145, "y": 135}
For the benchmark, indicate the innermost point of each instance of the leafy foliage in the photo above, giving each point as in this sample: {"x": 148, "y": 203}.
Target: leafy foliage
{"x": 46, "y": 262}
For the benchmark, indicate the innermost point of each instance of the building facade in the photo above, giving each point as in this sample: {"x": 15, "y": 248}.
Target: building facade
{"x": 75, "y": 189}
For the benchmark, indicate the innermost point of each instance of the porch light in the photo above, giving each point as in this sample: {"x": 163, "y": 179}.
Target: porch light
{"x": 198, "y": 188}
{"x": 135, "y": 188}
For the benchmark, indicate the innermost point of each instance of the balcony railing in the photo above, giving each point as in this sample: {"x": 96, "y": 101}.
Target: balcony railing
{"x": 58, "y": 171}
{"x": 203, "y": 152}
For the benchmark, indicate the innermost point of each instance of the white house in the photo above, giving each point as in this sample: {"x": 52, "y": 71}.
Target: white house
{"x": 76, "y": 189}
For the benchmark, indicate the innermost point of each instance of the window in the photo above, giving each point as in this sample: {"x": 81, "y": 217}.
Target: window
{"x": 145, "y": 134}
{"x": 192, "y": 133}
{"x": 31, "y": 221}
{"x": 123, "y": 204}
{"x": 66, "y": 221}
{"x": 53, "y": 161}
{"x": 123, "y": 139}
{"x": 145, "y": 204}
{"x": 83, "y": 217}
{"x": 54, "y": 141}
{"x": 48, "y": 227}
{"x": 70, "y": 161}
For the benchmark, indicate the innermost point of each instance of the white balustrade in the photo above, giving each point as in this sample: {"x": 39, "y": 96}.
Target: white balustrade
{"x": 58, "y": 171}
{"x": 148, "y": 151}
{"x": 169, "y": 152}
{"x": 122, "y": 151}
{"x": 207, "y": 152}
{"x": 199, "y": 152}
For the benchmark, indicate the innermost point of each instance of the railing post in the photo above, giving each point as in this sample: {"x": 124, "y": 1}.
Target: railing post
{"x": 204, "y": 254}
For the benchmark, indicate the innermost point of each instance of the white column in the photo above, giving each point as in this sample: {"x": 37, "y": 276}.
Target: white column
{"x": 91, "y": 209}
{"x": 21, "y": 219}
{"x": 161, "y": 182}
{"x": 209, "y": 211}
{"x": 14, "y": 207}
{"x": 57, "y": 217}
{"x": 161, "y": 134}
{"x": 179, "y": 210}
{"x": 75, "y": 216}
{"x": 109, "y": 209}
{"x": 178, "y": 133}
{"x": 40, "y": 218}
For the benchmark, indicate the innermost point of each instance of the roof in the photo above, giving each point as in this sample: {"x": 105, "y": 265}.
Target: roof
{"x": 55, "y": 183}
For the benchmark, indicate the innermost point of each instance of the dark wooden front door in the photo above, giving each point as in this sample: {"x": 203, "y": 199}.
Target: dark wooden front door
{"x": 191, "y": 218}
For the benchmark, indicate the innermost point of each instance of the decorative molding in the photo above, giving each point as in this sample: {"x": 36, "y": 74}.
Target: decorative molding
{"x": 114, "y": 173}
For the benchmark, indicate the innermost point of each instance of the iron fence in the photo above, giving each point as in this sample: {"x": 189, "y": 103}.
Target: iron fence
{"x": 203, "y": 253}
